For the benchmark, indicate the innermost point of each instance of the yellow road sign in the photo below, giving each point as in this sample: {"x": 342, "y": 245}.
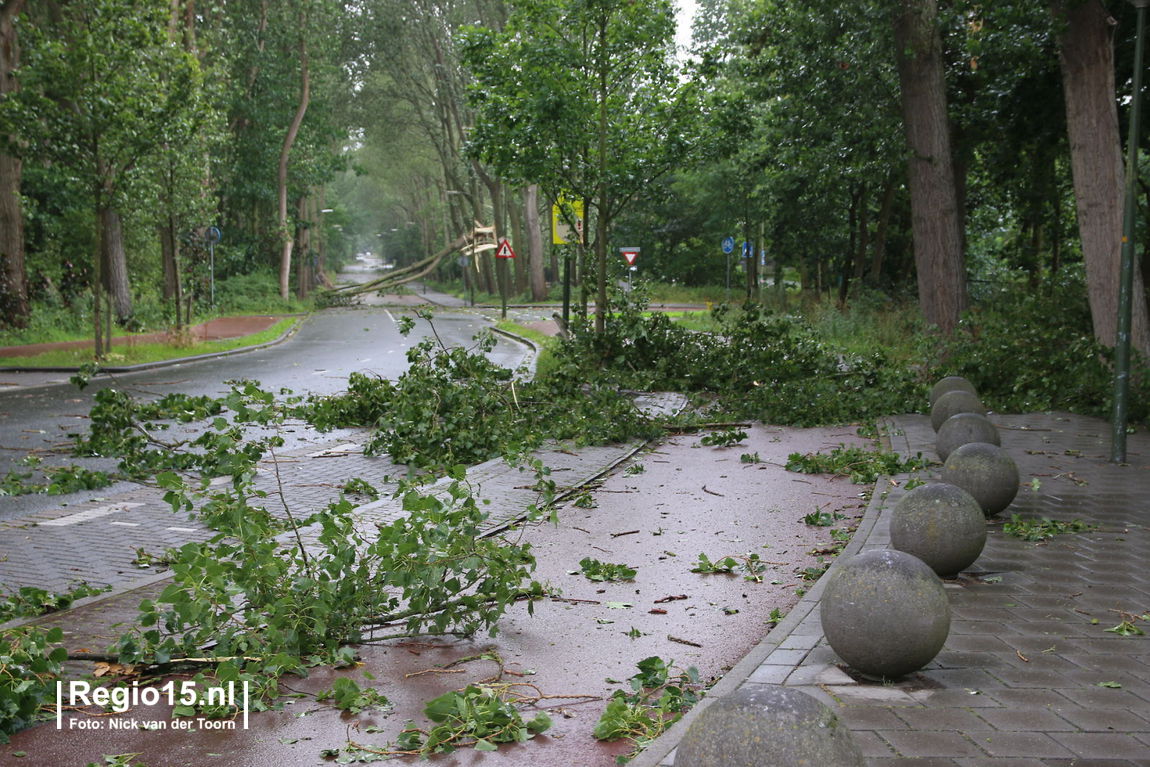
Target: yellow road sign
{"x": 561, "y": 230}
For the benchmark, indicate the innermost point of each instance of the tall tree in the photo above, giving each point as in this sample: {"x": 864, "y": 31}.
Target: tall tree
{"x": 286, "y": 235}
{"x": 581, "y": 97}
{"x": 13, "y": 280}
{"x": 101, "y": 86}
{"x": 935, "y": 215}
{"x": 1086, "y": 56}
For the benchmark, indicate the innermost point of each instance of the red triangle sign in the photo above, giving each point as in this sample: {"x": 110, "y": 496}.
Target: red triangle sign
{"x": 630, "y": 255}
{"x": 504, "y": 250}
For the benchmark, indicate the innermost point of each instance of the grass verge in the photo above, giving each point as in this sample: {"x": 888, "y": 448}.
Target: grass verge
{"x": 546, "y": 344}
{"x": 138, "y": 354}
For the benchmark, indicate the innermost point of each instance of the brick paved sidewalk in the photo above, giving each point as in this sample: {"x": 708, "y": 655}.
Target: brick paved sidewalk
{"x": 1029, "y": 674}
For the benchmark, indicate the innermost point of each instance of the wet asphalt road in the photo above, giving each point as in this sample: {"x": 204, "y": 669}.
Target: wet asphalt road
{"x": 317, "y": 359}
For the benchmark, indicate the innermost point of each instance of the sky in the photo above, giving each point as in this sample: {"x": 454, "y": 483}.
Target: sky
{"x": 684, "y": 13}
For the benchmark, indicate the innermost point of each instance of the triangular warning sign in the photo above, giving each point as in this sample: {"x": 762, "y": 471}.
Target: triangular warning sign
{"x": 630, "y": 255}
{"x": 504, "y": 250}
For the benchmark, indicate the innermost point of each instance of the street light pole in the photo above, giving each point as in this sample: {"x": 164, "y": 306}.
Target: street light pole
{"x": 1126, "y": 273}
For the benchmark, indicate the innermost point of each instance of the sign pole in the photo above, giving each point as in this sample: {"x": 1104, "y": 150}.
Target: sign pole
{"x": 630, "y": 255}
{"x": 1126, "y": 265}
{"x": 503, "y": 289}
{"x": 566, "y": 287}
{"x": 502, "y": 253}
{"x": 728, "y": 248}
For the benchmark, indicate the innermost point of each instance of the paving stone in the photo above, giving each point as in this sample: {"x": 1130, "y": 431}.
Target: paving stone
{"x": 1021, "y": 744}
{"x": 1100, "y": 697}
{"x": 1029, "y": 720}
{"x": 1023, "y": 698}
{"x": 767, "y": 674}
{"x": 871, "y": 744}
{"x": 1092, "y": 745}
{"x": 977, "y": 643}
{"x": 1105, "y": 720}
{"x": 920, "y": 744}
{"x": 871, "y": 717}
{"x": 972, "y": 678}
{"x": 1002, "y": 762}
{"x": 944, "y": 719}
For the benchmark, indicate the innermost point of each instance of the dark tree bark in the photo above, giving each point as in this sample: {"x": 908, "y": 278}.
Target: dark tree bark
{"x": 935, "y": 219}
{"x": 534, "y": 242}
{"x": 304, "y": 225}
{"x": 286, "y": 238}
{"x": 1086, "y": 56}
{"x": 878, "y": 252}
{"x": 518, "y": 239}
{"x": 14, "y": 306}
{"x": 115, "y": 263}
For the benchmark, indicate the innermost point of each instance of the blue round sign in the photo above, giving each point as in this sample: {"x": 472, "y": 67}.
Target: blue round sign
{"x": 728, "y": 244}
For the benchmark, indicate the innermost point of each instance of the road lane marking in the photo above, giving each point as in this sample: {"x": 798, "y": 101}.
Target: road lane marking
{"x": 87, "y": 514}
{"x": 347, "y": 448}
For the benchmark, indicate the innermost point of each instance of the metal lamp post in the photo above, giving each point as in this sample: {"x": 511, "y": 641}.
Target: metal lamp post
{"x": 1126, "y": 273}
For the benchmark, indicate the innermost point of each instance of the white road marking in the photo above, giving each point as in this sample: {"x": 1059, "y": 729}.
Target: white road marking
{"x": 347, "y": 448}
{"x": 87, "y": 514}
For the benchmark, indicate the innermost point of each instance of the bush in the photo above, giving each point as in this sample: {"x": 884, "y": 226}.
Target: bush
{"x": 1028, "y": 350}
{"x": 454, "y": 406}
{"x": 761, "y": 365}
{"x": 28, "y": 672}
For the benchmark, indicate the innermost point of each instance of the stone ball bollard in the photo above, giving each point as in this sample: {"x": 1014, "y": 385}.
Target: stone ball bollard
{"x": 985, "y": 471}
{"x": 950, "y": 383}
{"x": 962, "y": 428}
{"x": 940, "y": 524}
{"x": 885, "y": 613}
{"x": 767, "y": 725}
{"x": 953, "y": 403}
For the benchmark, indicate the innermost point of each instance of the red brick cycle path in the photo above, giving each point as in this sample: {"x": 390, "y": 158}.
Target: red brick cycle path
{"x": 212, "y": 330}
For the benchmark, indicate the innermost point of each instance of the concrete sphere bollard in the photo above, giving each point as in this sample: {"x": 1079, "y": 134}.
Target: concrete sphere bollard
{"x": 950, "y": 383}
{"x": 761, "y": 725}
{"x": 985, "y": 471}
{"x": 885, "y": 613}
{"x": 940, "y": 524}
{"x": 953, "y": 403}
{"x": 962, "y": 428}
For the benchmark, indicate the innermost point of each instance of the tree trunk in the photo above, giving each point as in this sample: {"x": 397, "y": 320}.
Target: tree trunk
{"x": 14, "y": 308}
{"x": 603, "y": 202}
{"x": 515, "y": 213}
{"x": 863, "y": 236}
{"x": 303, "y": 237}
{"x": 170, "y": 253}
{"x": 1086, "y": 56}
{"x": 935, "y": 222}
{"x": 285, "y": 233}
{"x": 878, "y": 252}
{"x": 115, "y": 262}
{"x": 534, "y": 243}
{"x": 320, "y": 196}
{"x": 848, "y": 269}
